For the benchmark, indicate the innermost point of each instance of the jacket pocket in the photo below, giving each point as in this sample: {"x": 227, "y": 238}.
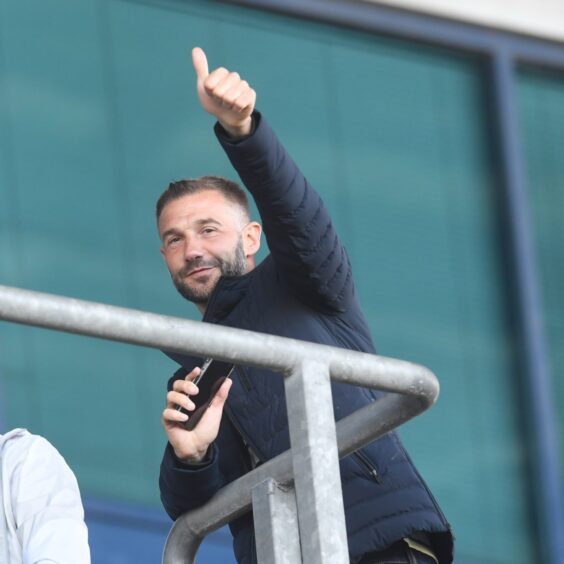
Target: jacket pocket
{"x": 425, "y": 486}
{"x": 367, "y": 466}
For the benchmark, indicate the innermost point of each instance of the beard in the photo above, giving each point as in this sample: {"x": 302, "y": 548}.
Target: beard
{"x": 229, "y": 266}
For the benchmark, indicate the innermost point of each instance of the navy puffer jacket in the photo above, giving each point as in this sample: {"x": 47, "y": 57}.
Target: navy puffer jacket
{"x": 303, "y": 290}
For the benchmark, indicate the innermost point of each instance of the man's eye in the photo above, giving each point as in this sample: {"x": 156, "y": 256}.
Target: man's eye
{"x": 208, "y": 230}
{"x": 173, "y": 241}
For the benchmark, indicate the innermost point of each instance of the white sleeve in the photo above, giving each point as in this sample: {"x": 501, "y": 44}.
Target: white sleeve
{"x": 47, "y": 507}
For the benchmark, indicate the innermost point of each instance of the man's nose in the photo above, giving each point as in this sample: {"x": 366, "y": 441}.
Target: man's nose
{"x": 192, "y": 249}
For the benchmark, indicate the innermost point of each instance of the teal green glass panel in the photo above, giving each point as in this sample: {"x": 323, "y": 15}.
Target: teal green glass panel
{"x": 541, "y": 97}
{"x": 65, "y": 230}
{"x": 99, "y": 113}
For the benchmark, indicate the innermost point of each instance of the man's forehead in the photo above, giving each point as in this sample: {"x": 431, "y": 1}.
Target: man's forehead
{"x": 194, "y": 208}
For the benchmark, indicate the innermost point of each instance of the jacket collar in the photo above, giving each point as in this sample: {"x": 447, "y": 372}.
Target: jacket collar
{"x": 225, "y": 297}
{"x": 228, "y": 292}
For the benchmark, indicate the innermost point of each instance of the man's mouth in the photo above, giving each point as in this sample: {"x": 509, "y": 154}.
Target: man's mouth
{"x": 199, "y": 270}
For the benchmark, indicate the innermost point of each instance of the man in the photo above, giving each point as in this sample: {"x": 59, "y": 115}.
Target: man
{"x": 304, "y": 290}
{"x": 42, "y": 519}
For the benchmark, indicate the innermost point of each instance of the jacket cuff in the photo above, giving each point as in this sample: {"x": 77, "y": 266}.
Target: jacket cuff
{"x": 209, "y": 458}
{"x": 184, "y": 486}
{"x": 226, "y": 139}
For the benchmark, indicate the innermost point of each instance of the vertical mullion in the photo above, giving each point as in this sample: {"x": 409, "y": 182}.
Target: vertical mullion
{"x": 538, "y": 394}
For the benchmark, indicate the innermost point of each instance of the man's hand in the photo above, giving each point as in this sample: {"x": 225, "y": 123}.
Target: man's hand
{"x": 224, "y": 95}
{"x": 191, "y": 446}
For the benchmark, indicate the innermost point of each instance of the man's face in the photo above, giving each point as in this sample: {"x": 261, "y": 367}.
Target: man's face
{"x": 203, "y": 237}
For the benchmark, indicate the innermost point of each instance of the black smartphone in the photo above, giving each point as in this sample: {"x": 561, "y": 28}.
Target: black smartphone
{"x": 212, "y": 375}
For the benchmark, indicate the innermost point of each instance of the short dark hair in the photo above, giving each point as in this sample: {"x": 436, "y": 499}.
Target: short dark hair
{"x": 230, "y": 190}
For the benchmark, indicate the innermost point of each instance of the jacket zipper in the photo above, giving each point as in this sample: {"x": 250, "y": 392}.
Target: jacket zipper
{"x": 244, "y": 437}
{"x": 254, "y": 556}
{"x": 367, "y": 465}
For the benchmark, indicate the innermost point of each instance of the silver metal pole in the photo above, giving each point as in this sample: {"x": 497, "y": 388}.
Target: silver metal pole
{"x": 276, "y": 523}
{"x": 194, "y": 337}
{"x": 316, "y": 465}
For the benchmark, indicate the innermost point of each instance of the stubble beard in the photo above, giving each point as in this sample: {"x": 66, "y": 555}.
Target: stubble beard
{"x": 230, "y": 266}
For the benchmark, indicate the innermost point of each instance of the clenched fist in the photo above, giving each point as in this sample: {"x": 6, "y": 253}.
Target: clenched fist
{"x": 225, "y": 95}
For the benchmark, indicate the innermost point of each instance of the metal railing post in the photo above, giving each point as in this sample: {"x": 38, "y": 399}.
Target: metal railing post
{"x": 316, "y": 464}
{"x": 276, "y": 523}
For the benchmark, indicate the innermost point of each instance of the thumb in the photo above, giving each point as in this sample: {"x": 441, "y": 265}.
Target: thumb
{"x": 200, "y": 62}
{"x": 221, "y": 395}
{"x": 215, "y": 409}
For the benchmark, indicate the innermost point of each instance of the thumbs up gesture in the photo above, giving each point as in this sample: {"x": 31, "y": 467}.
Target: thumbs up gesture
{"x": 224, "y": 95}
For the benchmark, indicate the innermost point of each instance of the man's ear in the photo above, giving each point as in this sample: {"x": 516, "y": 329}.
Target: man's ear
{"x": 251, "y": 238}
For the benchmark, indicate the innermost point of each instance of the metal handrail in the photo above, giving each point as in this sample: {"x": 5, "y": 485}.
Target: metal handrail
{"x": 232, "y": 501}
{"x": 414, "y": 388}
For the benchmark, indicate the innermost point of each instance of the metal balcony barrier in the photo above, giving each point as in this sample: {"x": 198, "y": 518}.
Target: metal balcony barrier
{"x": 298, "y": 515}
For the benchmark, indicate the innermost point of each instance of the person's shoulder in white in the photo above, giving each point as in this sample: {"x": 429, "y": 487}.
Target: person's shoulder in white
{"x": 41, "y": 502}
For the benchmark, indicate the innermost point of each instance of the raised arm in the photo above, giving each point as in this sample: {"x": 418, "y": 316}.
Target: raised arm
{"x": 298, "y": 228}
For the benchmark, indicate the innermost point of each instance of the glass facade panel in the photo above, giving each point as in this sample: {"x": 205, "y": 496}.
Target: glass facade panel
{"x": 99, "y": 113}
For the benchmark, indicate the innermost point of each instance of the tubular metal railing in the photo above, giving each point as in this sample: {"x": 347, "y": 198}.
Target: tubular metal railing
{"x": 300, "y": 482}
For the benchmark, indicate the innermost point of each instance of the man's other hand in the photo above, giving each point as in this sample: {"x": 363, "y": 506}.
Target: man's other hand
{"x": 191, "y": 446}
{"x": 224, "y": 95}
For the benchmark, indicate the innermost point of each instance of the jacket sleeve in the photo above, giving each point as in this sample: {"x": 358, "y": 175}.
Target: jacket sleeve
{"x": 298, "y": 229}
{"x": 185, "y": 487}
